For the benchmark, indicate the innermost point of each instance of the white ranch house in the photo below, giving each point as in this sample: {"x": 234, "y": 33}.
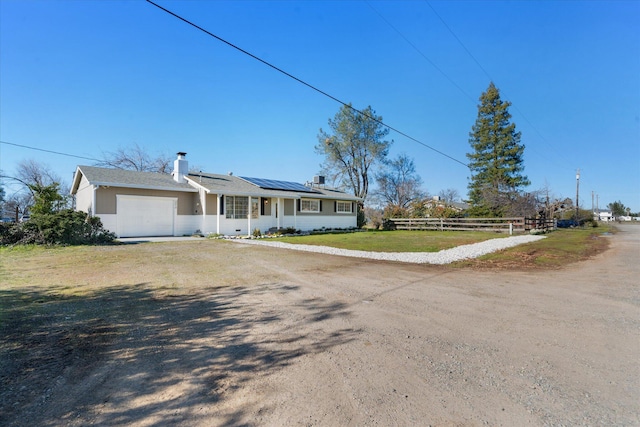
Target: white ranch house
{"x": 141, "y": 204}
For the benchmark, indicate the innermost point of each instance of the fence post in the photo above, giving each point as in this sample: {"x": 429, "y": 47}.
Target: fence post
{"x": 441, "y": 225}
{"x": 511, "y": 229}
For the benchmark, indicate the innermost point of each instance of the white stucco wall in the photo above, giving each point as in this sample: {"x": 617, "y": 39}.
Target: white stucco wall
{"x": 186, "y": 225}
{"x": 84, "y": 196}
{"x": 308, "y": 223}
{"x": 207, "y": 224}
{"x": 109, "y": 222}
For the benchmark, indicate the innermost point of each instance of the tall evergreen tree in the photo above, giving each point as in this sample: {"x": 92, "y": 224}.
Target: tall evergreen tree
{"x": 496, "y": 162}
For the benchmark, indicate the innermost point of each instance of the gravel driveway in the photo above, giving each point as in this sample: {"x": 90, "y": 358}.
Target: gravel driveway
{"x": 223, "y": 334}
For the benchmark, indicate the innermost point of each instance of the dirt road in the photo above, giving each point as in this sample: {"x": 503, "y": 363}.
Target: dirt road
{"x": 317, "y": 340}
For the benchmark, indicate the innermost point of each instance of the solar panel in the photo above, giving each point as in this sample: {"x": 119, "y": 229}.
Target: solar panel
{"x": 272, "y": 184}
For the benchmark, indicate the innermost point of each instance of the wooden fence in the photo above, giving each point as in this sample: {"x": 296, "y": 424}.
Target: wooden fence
{"x": 499, "y": 225}
{"x": 542, "y": 224}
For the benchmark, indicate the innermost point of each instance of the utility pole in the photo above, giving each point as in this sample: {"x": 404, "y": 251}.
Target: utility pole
{"x": 577, "y": 194}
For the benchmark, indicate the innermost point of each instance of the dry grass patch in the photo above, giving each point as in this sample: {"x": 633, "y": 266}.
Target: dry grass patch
{"x": 560, "y": 248}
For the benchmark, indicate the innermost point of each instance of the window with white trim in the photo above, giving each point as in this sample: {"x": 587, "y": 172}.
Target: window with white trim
{"x": 236, "y": 207}
{"x": 254, "y": 208}
{"x": 309, "y": 205}
{"x": 344, "y": 207}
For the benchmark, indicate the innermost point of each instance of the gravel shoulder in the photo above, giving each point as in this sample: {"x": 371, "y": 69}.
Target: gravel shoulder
{"x": 446, "y": 256}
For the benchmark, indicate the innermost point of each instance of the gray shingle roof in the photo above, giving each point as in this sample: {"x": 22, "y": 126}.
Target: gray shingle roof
{"x": 214, "y": 183}
{"x": 130, "y": 179}
{"x": 230, "y": 184}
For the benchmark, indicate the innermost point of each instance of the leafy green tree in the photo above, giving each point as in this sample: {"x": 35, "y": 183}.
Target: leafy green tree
{"x": 496, "y": 162}
{"x": 47, "y": 198}
{"x": 354, "y": 145}
{"x": 617, "y": 208}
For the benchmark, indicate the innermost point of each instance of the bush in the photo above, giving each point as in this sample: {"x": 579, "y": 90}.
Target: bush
{"x": 393, "y": 211}
{"x": 10, "y": 233}
{"x": 283, "y": 231}
{"x": 388, "y": 225}
{"x": 66, "y": 227}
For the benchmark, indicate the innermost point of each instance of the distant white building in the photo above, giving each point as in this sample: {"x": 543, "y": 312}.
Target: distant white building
{"x": 603, "y": 216}
{"x": 608, "y": 216}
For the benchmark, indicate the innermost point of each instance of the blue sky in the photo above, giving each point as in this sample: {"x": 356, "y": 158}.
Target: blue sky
{"x": 88, "y": 77}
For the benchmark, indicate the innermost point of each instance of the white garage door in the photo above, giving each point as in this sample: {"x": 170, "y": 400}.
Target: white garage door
{"x": 140, "y": 216}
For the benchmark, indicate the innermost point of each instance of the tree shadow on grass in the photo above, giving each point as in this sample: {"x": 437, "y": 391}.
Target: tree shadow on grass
{"x": 126, "y": 355}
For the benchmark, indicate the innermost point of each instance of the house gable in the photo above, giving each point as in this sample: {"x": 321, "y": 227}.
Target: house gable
{"x": 200, "y": 202}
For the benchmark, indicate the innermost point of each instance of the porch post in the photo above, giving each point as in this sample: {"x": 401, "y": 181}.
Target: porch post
{"x": 218, "y": 215}
{"x": 203, "y": 206}
{"x": 92, "y": 212}
{"x": 249, "y": 218}
{"x": 279, "y": 211}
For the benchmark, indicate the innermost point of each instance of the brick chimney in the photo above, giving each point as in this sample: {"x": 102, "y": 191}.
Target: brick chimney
{"x": 180, "y": 168}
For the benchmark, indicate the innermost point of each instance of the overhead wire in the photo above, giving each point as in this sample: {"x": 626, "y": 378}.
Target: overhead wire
{"x": 310, "y": 86}
{"x": 433, "y": 64}
{"x": 50, "y": 151}
{"x": 486, "y": 73}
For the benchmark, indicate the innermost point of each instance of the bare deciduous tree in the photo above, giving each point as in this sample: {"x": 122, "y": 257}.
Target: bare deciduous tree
{"x": 449, "y": 196}
{"x": 398, "y": 183}
{"x": 32, "y": 172}
{"x": 16, "y": 205}
{"x": 512, "y": 203}
{"x": 136, "y": 158}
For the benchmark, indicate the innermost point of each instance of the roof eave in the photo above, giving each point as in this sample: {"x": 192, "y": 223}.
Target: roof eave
{"x": 76, "y": 181}
{"x": 144, "y": 187}
{"x": 197, "y": 184}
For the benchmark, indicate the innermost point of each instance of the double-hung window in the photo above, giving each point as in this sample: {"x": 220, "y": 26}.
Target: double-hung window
{"x": 236, "y": 207}
{"x": 309, "y": 205}
{"x": 344, "y": 207}
{"x": 254, "y": 207}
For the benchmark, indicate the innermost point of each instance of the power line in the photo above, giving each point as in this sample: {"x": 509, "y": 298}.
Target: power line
{"x": 421, "y": 53}
{"x": 486, "y": 73}
{"x": 310, "y": 86}
{"x": 49, "y": 151}
{"x": 458, "y": 40}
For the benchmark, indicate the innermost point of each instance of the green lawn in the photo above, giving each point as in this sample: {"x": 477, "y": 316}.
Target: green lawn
{"x": 395, "y": 241}
{"x": 561, "y": 247}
